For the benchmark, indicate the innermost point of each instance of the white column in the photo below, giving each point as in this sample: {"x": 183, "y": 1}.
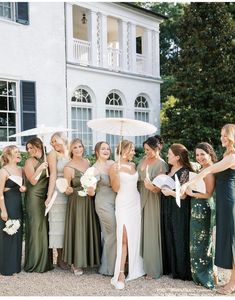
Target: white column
{"x": 69, "y": 32}
{"x": 156, "y": 53}
{"x": 147, "y": 51}
{"x": 93, "y": 38}
{"x": 133, "y": 47}
{"x": 104, "y": 41}
{"x": 123, "y": 44}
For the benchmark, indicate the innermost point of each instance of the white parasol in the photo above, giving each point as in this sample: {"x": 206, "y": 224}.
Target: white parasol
{"x": 40, "y": 131}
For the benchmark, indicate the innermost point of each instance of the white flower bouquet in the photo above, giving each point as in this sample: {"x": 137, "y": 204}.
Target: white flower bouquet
{"x": 12, "y": 226}
{"x": 88, "y": 179}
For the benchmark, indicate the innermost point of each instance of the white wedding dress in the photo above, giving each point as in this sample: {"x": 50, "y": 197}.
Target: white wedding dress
{"x": 128, "y": 214}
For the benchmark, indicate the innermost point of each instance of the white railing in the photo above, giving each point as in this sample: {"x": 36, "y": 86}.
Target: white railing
{"x": 81, "y": 51}
{"x": 140, "y": 63}
{"x": 114, "y": 56}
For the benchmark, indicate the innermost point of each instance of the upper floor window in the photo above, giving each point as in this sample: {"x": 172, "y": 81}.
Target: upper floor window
{"x": 15, "y": 11}
{"x": 8, "y": 110}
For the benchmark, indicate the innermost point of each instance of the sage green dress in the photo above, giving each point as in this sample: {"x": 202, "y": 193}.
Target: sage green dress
{"x": 82, "y": 246}
{"x": 151, "y": 250}
{"x": 37, "y": 254}
{"x": 105, "y": 208}
{"x": 201, "y": 247}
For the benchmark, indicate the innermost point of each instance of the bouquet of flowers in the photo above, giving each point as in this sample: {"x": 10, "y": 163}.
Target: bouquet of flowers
{"x": 88, "y": 179}
{"x": 12, "y": 226}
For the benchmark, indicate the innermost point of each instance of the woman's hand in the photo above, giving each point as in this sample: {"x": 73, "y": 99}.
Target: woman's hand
{"x": 148, "y": 185}
{"x": 189, "y": 192}
{"x": 90, "y": 191}
{"x": 166, "y": 191}
{"x": 183, "y": 188}
{"x": 4, "y": 215}
{"x": 22, "y": 189}
{"x": 43, "y": 166}
{"x": 47, "y": 201}
{"x": 69, "y": 190}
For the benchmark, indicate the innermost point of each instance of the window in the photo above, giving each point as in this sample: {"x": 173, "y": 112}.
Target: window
{"x": 8, "y": 110}
{"x": 139, "y": 45}
{"x": 15, "y": 11}
{"x": 141, "y": 114}
{"x": 81, "y": 112}
{"x": 114, "y": 109}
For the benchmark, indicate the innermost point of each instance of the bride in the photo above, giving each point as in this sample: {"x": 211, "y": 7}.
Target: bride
{"x": 124, "y": 178}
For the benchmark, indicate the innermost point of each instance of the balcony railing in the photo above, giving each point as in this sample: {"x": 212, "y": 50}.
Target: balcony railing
{"x": 81, "y": 51}
{"x": 140, "y": 63}
{"x": 114, "y": 56}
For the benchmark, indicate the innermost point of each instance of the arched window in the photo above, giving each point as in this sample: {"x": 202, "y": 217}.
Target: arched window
{"x": 142, "y": 114}
{"x": 81, "y": 112}
{"x": 114, "y": 109}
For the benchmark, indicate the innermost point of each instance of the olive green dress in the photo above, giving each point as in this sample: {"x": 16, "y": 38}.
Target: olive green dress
{"x": 151, "y": 226}
{"x": 201, "y": 248}
{"x": 82, "y": 246}
{"x": 37, "y": 255}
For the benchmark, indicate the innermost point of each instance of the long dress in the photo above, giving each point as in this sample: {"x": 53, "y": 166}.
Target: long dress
{"x": 58, "y": 211}
{"x": 201, "y": 247}
{"x": 175, "y": 226}
{"x": 82, "y": 245}
{"x": 128, "y": 214}
{"x": 11, "y": 245}
{"x": 225, "y": 219}
{"x": 37, "y": 256}
{"x": 151, "y": 225}
{"x": 105, "y": 209}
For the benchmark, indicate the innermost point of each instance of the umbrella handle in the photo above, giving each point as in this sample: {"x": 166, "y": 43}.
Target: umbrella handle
{"x": 45, "y": 160}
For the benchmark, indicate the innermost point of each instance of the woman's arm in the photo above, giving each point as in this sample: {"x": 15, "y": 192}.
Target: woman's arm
{"x": 52, "y": 163}
{"x": 68, "y": 174}
{"x": 3, "y": 178}
{"x": 210, "y": 186}
{"x": 30, "y": 173}
{"x": 114, "y": 177}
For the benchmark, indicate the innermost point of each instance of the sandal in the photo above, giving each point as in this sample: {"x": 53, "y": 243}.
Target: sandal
{"x": 77, "y": 271}
{"x": 227, "y": 289}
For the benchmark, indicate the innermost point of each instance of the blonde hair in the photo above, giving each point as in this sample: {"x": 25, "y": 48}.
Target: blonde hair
{"x": 73, "y": 142}
{"x": 230, "y": 134}
{"x": 7, "y": 154}
{"x": 125, "y": 147}
{"x": 61, "y": 138}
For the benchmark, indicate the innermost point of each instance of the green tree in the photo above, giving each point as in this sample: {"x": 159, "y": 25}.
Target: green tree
{"x": 204, "y": 76}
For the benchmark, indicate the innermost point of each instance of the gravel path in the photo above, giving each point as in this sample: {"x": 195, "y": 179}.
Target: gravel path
{"x": 64, "y": 283}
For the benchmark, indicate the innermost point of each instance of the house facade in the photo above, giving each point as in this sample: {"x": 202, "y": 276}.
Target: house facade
{"x": 62, "y": 64}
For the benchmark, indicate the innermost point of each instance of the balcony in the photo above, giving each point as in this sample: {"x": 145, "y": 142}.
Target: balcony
{"x": 81, "y": 52}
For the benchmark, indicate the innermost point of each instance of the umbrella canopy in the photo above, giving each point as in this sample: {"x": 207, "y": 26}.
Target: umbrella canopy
{"x": 122, "y": 126}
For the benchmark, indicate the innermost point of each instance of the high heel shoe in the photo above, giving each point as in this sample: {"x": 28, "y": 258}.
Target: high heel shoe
{"x": 228, "y": 289}
{"x": 216, "y": 279}
{"x": 119, "y": 285}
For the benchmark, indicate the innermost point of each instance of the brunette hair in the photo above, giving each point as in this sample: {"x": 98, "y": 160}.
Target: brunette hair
{"x": 208, "y": 149}
{"x": 7, "y": 154}
{"x": 230, "y": 133}
{"x": 35, "y": 142}
{"x": 98, "y": 146}
{"x": 125, "y": 147}
{"x": 181, "y": 151}
{"x": 73, "y": 142}
{"x": 154, "y": 142}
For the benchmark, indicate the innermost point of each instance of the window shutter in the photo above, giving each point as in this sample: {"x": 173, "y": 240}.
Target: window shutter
{"x": 28, "y": 106}
{"x": 22, "y": 12}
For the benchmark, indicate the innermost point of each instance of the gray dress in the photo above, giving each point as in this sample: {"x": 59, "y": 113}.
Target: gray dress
{"x": 58, "y": 211}
{"x": 105, "y": 209}
{"x": 151, "y": 224}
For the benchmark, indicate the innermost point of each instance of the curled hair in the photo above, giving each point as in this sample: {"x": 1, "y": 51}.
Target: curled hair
{"x": 181, "y": 151}
{"x": 35, "y": 142}
{"x": 230, "y": 134}
{"x": 7, "y": 154}
{"x": 125, "y": 147}
{"x": 208, "y": 149}
{"x": 61, "y": 137}
{"x": 98, "y": 146}
{"x": 73, "y": 142}
{"x": 154, "y": 142}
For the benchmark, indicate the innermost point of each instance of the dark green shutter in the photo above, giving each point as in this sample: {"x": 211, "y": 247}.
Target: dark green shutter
{"x": 28, "y": 106}
{"x": 22, "y": 12}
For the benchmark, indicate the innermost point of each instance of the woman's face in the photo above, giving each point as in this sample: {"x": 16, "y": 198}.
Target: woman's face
{"x": 130, "y": 153}
{"x": 223, "y": 138}
{"x": 202, "y": 157}
{"x": 172, "y": 158}
{"x": 77, "y": 150}
{"x": 104, "y": 151}
{"x": 15, "y": 155}
{"x": 57, "y": 144}
{"x": 32, "y": 150}
{"x": 150, "y": 153}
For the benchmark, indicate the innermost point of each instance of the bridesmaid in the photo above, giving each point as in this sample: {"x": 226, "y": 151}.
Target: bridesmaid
{"x": 201, "y": 223}
{"x": 105, "y": 207}
{"x": 37, "y": 258}
{"x": 175, "y": 220}
{"x": 150, "y": 204}
{"x": 82, "y": 231}
{"x": 57, "y": 159}
{"x": 11, "y": 208}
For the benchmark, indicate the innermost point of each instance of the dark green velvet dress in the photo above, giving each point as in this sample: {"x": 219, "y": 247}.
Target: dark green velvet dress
{"x": 37, "y": 254}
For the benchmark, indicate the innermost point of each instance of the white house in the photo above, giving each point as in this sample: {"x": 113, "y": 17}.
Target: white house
{"x": 66, "y": 63}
